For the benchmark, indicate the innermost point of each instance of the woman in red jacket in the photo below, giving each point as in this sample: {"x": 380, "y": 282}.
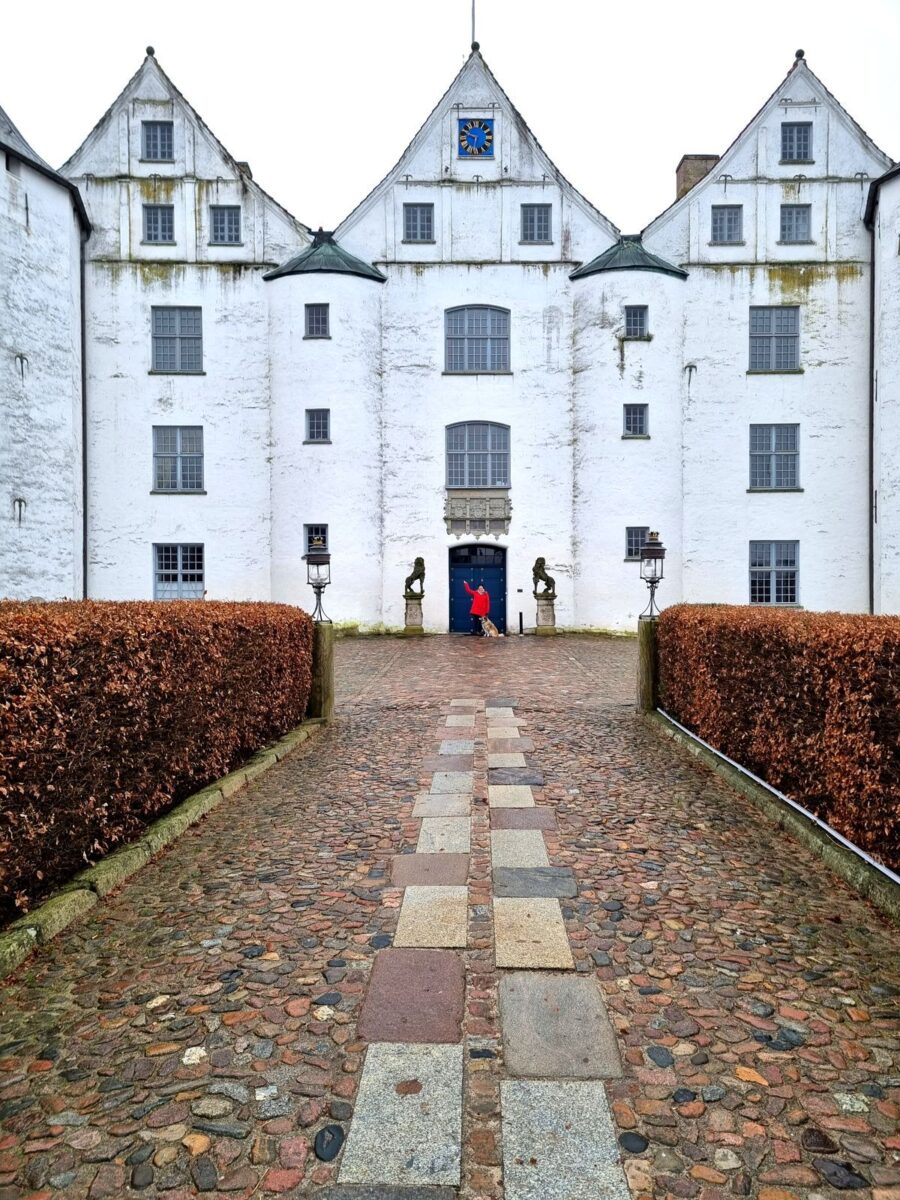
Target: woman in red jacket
{"x": 481, "y": 605}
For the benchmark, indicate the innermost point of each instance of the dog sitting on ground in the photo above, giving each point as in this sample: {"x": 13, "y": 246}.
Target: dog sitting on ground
{"x": 488, "y": 628}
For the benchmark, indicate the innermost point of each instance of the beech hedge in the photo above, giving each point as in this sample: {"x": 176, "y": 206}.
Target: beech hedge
{"x": 110, "y": 713}
{"x": 810, "y": 702}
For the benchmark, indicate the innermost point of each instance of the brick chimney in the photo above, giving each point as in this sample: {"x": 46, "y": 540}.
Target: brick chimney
{"x": 691, "y": 169}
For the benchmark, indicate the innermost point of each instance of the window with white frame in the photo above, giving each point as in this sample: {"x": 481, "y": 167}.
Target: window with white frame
{"x": 177, "y": 340}
{"x": 796, "y": 141}
{"x": 477, "y": 455}
{"x": 418, "y": 222}
{"x": 636, "y": 320}
{"x": 774, "y": 572}
{"x": 774, "y": 456}
{"x": 775, "y": 338}
{"x": 178, "y": 572}
{"x": 315, "y": 537}
{"x": 536, "y": 223}
{"x": 178, "y": 458}
{"x": 157, "y": 141}
{"x": 225, "y": 224}
{"x": 477, "y": 339}
{"x": 159, "y": 223}
{"x": 318, "y": 424}
{"x": 317, "y": 325}
{"x": 727, "y": 224}
{"x": 795, "y": 222}
{"x": 635, "y": 538}
{"x": 636, "y": 421}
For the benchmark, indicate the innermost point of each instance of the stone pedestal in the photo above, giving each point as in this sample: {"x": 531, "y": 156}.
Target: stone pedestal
{"x": 413, "y": 626}
{"x": 546, "y": 615}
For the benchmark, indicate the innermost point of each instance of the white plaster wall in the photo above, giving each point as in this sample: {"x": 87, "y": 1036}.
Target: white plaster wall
{"x": 887, "y": 402}
{"x": 40, "y": 404}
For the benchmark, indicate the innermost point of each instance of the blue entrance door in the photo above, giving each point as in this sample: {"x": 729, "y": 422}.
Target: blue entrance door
{"x": 474, "y": 565}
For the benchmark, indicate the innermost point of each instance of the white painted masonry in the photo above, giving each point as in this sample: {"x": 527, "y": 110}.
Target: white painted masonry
{"x": 379, "y": 483}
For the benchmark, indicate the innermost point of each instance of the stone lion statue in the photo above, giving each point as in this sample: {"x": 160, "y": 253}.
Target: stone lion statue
{"x": 539, "y": 572}
{"x": 418, "y": 573}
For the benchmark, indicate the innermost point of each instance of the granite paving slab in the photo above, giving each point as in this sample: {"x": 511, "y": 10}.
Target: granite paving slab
{"x": 448, "y": 762}
{"x": 465, "y": 703}
{"x": 462, "y": 721}
{"x": 501, "y": 702}
{"x": 433, "y": 916}
{"x": 457, "y": 746}
{"x": 407, "y": 1123}
{"x": 510, "y": 796}
{"x": 559, "y": 1142}
{"x": 501, "y": 731}
{"x": 443, "y": 804}
{"x": 412, "y": 869}
{"x": 510, "y": 744}
{"x": 518, "y": 848}
{"x": 530, "y": 933}
{"x": 539, "y": 817}
{"x": 506, "y": 760}
{"x": 452, "y": 781}
{"x": 495, "y": 711}
{"x": 556, "y": 1026}
{"x": 444, "y": 835}
{"x": 535, "y": 881}
{"x": 361, "y": 1192}
{"x": 516, "y": 775}
{"x": 414, "y": 996}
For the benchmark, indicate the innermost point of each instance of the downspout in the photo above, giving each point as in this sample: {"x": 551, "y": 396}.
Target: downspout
{"x": 84, "y": 426}
{"x": 872, "y": 419}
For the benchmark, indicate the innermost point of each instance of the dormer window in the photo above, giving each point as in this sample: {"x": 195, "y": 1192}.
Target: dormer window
{"x": 796, "y": 141}
{"x": 157, "y": 141}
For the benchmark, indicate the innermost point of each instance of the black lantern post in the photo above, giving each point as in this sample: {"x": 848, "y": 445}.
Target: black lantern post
{"x": 653, "y": 555}
{"x": 318, "y": 575}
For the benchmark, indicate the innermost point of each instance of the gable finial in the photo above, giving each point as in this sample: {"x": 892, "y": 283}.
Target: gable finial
{"x": 151, "y": 53}
{"x": 798, "y": 55}
{"x": 474, "y": 43}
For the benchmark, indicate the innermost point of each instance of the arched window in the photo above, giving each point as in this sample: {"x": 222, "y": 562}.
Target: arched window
{"x": 477, "y": 339}
{"x": 477, "y": 455}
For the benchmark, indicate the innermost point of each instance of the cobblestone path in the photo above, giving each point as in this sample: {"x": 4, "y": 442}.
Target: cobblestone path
{"x": 489, "y": 935}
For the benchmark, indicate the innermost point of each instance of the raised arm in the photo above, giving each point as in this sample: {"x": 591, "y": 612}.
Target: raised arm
{"x": 471, "y": 591}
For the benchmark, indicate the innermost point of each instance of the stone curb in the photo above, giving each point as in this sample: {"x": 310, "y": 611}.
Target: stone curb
{"x": 82, "y": 892}
{"x": 862, "y": 876}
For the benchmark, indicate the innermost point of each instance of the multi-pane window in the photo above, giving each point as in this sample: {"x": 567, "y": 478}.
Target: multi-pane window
{"x": 178, "y": 572}
{"x": 315, "y": 537}
{"x": 796, "y": 141}
{"x": 317, "y": 321}
{"x": 635, "y": 538}
{"x": 478, "y": 455}
{"x": 477, "y": 339}
{"x": 159, "y": 223}
{"x": 178, "y": 340}
{"x": 775, "y": 338}
{"x": 318, "y": 424}
{"x": 157, "y": 141}
{"x": 178, "y": 458}
{"x": 795, "y": 222}
{"x": 635, "y": 420}
{"x": 727, "y": 224}
{"x": 225, "y": 224}
{"x": 774, "y": 571}
{"x": 636, "y": 320}
{"x": 774, "y": 456}
{"x": 418, "y": 222}
{"x": 536, "y": 223}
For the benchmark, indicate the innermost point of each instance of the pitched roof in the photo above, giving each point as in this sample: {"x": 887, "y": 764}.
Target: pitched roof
{"x": 326, "y": 257}
{"x": 12, "y": 141}
{"x": 628, "y": 254}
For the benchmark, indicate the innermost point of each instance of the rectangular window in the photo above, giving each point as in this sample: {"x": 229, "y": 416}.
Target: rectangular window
{"x": 225, "y": 224}
{"x": 317, "y": 321}
{"x": 178, "y": 458}
{"x": 775, "y": 338}
{"x": 478, "y": 455}
{"x": 177, "y": 340}
{"x": 796, "y": 141}
{"x": 727, "y": 224}
{"x": 774, "y": 572}
{"x": 636, "y": 320}
{"x": 418, "y": 222}
{"x": 774, "y": 456}
{"x": 313, "y": 534}
{"x": 536, "y": 223}
{"x": 635, "y": 537}
{"x": 795, "y": 222}
{"x": 636, "y": 423}
{"x": 178, "y": 572}
{"x": 157, "y": 141}
{"x": 159, "y": 223}
{"x": 318, "y": 424}
{"x": 477, "y": 339}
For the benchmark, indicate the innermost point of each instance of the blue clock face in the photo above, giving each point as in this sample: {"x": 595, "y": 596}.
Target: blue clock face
{"x": 475, "y": 138}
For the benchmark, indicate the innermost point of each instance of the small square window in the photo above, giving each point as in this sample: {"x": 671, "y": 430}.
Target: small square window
{"x": 157, "y": 141}
{"x": 635, "y": 420}
{"x": 796, "y": 141}
{"x": 418, "y": 222}
{"x": 636, "y": 320}
{"x": 177, "y": 340}
{"x": 178, "y": 572}
{"x": 774, "y": 572}
{"x": 159, "y": 223}
{"x": 315, "y": 537}
{"x": 635, "y": 538}
{"x": 317, "y": 321}
{"x": 225, "y": 224}
{"x": 178, "y": 458}
{"x": 795, "y": 222}
{"x": 727, "y": 224}
{"x": 536, "y": 225}
{"x": 318, "y": 424}
{"x": 775, "y": 338}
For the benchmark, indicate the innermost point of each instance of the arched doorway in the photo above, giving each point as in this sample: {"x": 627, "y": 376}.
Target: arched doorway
{"x": 477, "y": 564}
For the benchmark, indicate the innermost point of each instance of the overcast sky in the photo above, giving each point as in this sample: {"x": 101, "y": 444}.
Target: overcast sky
{"x": 321, "y": 98}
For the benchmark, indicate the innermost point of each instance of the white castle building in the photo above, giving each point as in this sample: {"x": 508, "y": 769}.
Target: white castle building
{"x": 476, "y": 367}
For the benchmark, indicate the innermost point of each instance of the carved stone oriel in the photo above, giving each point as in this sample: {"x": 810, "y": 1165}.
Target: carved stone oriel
{"x": 478, "y": 512}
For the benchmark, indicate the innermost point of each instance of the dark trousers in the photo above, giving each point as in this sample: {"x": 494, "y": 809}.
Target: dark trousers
{"x": 476, "y": 624}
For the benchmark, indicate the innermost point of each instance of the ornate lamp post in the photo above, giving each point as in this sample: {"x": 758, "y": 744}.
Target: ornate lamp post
{"x": 318, "y": 576}
{"x": 653, "y": 555}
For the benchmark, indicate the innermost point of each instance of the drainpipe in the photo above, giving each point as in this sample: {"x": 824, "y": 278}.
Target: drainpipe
{"x": 872, "y": 419}
{"x": 84, "y": 426}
